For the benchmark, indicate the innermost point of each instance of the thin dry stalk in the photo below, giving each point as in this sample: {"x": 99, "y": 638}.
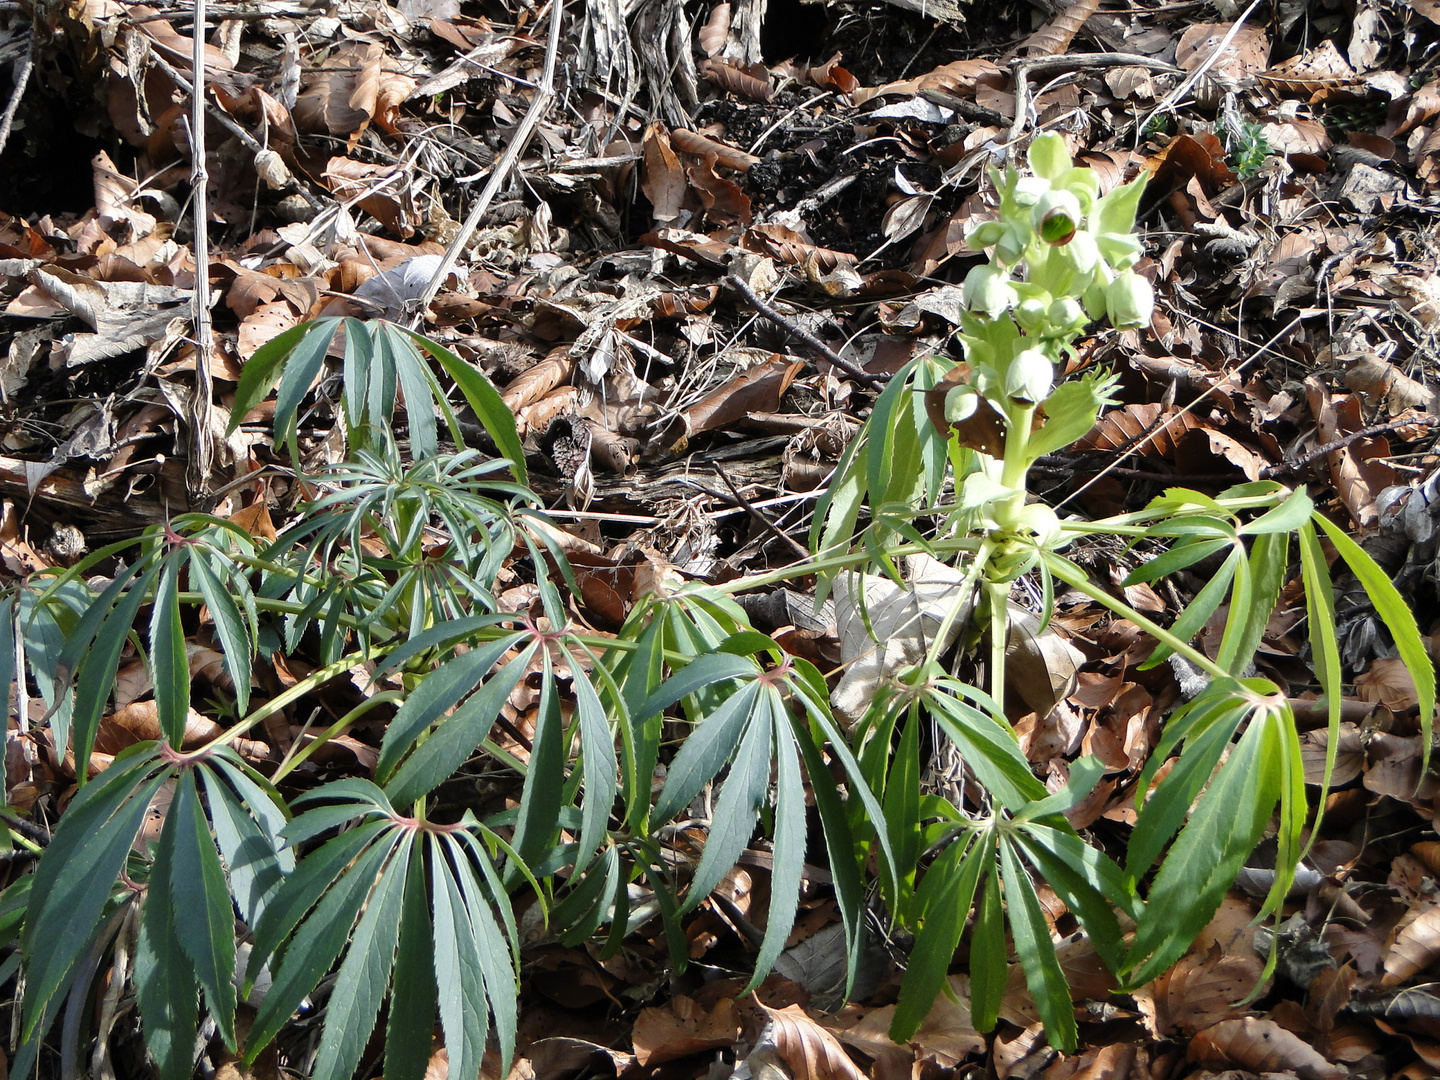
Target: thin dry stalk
{"x": 500, "y": 173}
{"x": 198, "y": 471}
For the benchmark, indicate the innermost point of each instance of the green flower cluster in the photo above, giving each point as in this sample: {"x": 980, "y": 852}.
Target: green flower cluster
{"x": 1062, "y": 254}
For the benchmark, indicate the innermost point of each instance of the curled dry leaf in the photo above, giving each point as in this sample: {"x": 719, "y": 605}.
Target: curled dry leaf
{"x": 535, "y": 382}
{"x": 688, "y": 142}
{"x": 712, "y": 35}
{"x": 1151, "y": 430}
{"x": 1389, "y": 682}
{"x": 661, "y": 178}
{"x": 1259, "y": 1046}
{"x": 1054, "y": 37}
{"x": 961, "y": 78}
{"x": 745, "y": 84}
{"x": 1415, "y": 947}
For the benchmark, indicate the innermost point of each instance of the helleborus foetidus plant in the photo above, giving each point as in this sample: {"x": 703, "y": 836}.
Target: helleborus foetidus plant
{"x": 1060, "y": 257}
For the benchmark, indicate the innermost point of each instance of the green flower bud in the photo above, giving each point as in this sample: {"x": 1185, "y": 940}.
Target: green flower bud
{"x": 1057, "y": 216}
{"x": 1065, "y": 316}
{"x": 1011, "y": 247}
{"x": 961, "y": 403}
{"x": 1029, "y": 377}
{"x": 978, "y": 237}
{"x": 1130, "y": 300}
{"x": 1031, "y": 314}
{"x": 988, "y": 290}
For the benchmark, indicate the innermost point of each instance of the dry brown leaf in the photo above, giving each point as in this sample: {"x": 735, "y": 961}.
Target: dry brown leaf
{"x": 1054, "y": 37}
{"x": 1389, "y": 682}
{"x": 758, "y": 389}
{"x": 750, "y": 85}
{"x": 944, "y": 1040}
{"x": 1320, "y": 74}
{"x": 1246, "y": 54}
{"x": 688, "y": 142}
{"x": 661, "y": 178}
{"x": 1357, "y": 479}
{"x": 1200, "y": 990}
{"x": 682, "y": 1027}
{"x": 712, "y": 35}
{"x": 961, "y": 78}
{"x": 723, "y": 199}
{"x": 1151, "y": 430}
{"x": 262, "y": 324}
{"x": 536, "y": 381}
{"x": 1259, "y": 1046}
{"x": 806, "y": 1050}
{"x": 1380, "y": 381}
{"x": 1415, "y": 947}
{"x": 831, "y": 76}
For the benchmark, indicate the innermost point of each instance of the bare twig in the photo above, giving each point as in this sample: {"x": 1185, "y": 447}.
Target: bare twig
{"x": 500, "y": 173}
{"x": 799, "y": 332}
{"x": 198, "y": 471}
{"x": 755, "y": 515}
{"x": 22, "y": 79}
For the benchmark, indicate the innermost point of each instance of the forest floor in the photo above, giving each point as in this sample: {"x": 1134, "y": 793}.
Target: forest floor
{"x": 727, "y": 218}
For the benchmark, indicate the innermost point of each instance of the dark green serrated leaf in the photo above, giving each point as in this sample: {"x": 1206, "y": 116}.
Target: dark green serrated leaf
{"x": 1031, "y": 934}
{"x": 494, "y": 415}
{"x": 364, "y": 975}
{"x": 169, "y": 664}
{"x": 789, "y": 847}
{"x": 409, "y": 1030}
{"x": 457, "y": 736}
{"x": 315, "y": 945}
{"x": 457, "y": 975}
{"x": 73, "y": 884}
{"x": 198, "y": 888}
{"x": 165, "y": 987}
{"x": 737, "y": 807}
{"x": 233, "y": 629}
{"x": 944, "y": 898}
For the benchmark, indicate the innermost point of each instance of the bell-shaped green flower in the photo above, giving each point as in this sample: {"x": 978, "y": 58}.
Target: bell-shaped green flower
{"x": 961, "y": 403}
{"x": 988, "y": 290}
{"x": 1057, "y": 216}
{"x": 1048, "y": 157}
{"x": 1029, "y": 377}
{"x": 985, "y": 234}
{"x": 1032, "y": 314}
{"x": 1029, "y": 190}
{"x": 1065, "y": 316}
{"x": 1130, "y": 300}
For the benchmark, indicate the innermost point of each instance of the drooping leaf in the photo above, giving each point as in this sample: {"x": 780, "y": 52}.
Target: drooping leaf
{"x": 198, "y": 890}
{"x": 165, "y": 986}
{"x": 364, "y": 975}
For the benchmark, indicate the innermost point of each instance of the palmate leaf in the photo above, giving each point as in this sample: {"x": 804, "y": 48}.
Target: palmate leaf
{"x": 369, "y": 884}
{"x": 752, "y": 731}
{"x": 75, "y": 876}
{"x": 164, "y": 976}
{"x": 1223, "y": 829}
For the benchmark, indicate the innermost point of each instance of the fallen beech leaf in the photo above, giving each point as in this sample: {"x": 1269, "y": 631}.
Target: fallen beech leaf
{"x": 661, "y": 178}
{"x": 1389, "y": 682}
{"x": 1259, "y": 1046}
{"x": 682, "y": 1027}
{"x": 1415, "y": 948}
{"x": 741, "y": 83}
{"x": 712, "y": 35}
{"x": 688, "y": 142}
{"x": 758, "y": 389}
{"x": 1200, "y": 990}
{"x": 801, "y": 1046}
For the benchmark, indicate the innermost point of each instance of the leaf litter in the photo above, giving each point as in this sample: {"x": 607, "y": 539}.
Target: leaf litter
{"x": 829, "y": 159}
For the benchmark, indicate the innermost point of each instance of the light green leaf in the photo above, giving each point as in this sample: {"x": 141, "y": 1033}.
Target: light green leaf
{"x": 1043, "y": 974}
